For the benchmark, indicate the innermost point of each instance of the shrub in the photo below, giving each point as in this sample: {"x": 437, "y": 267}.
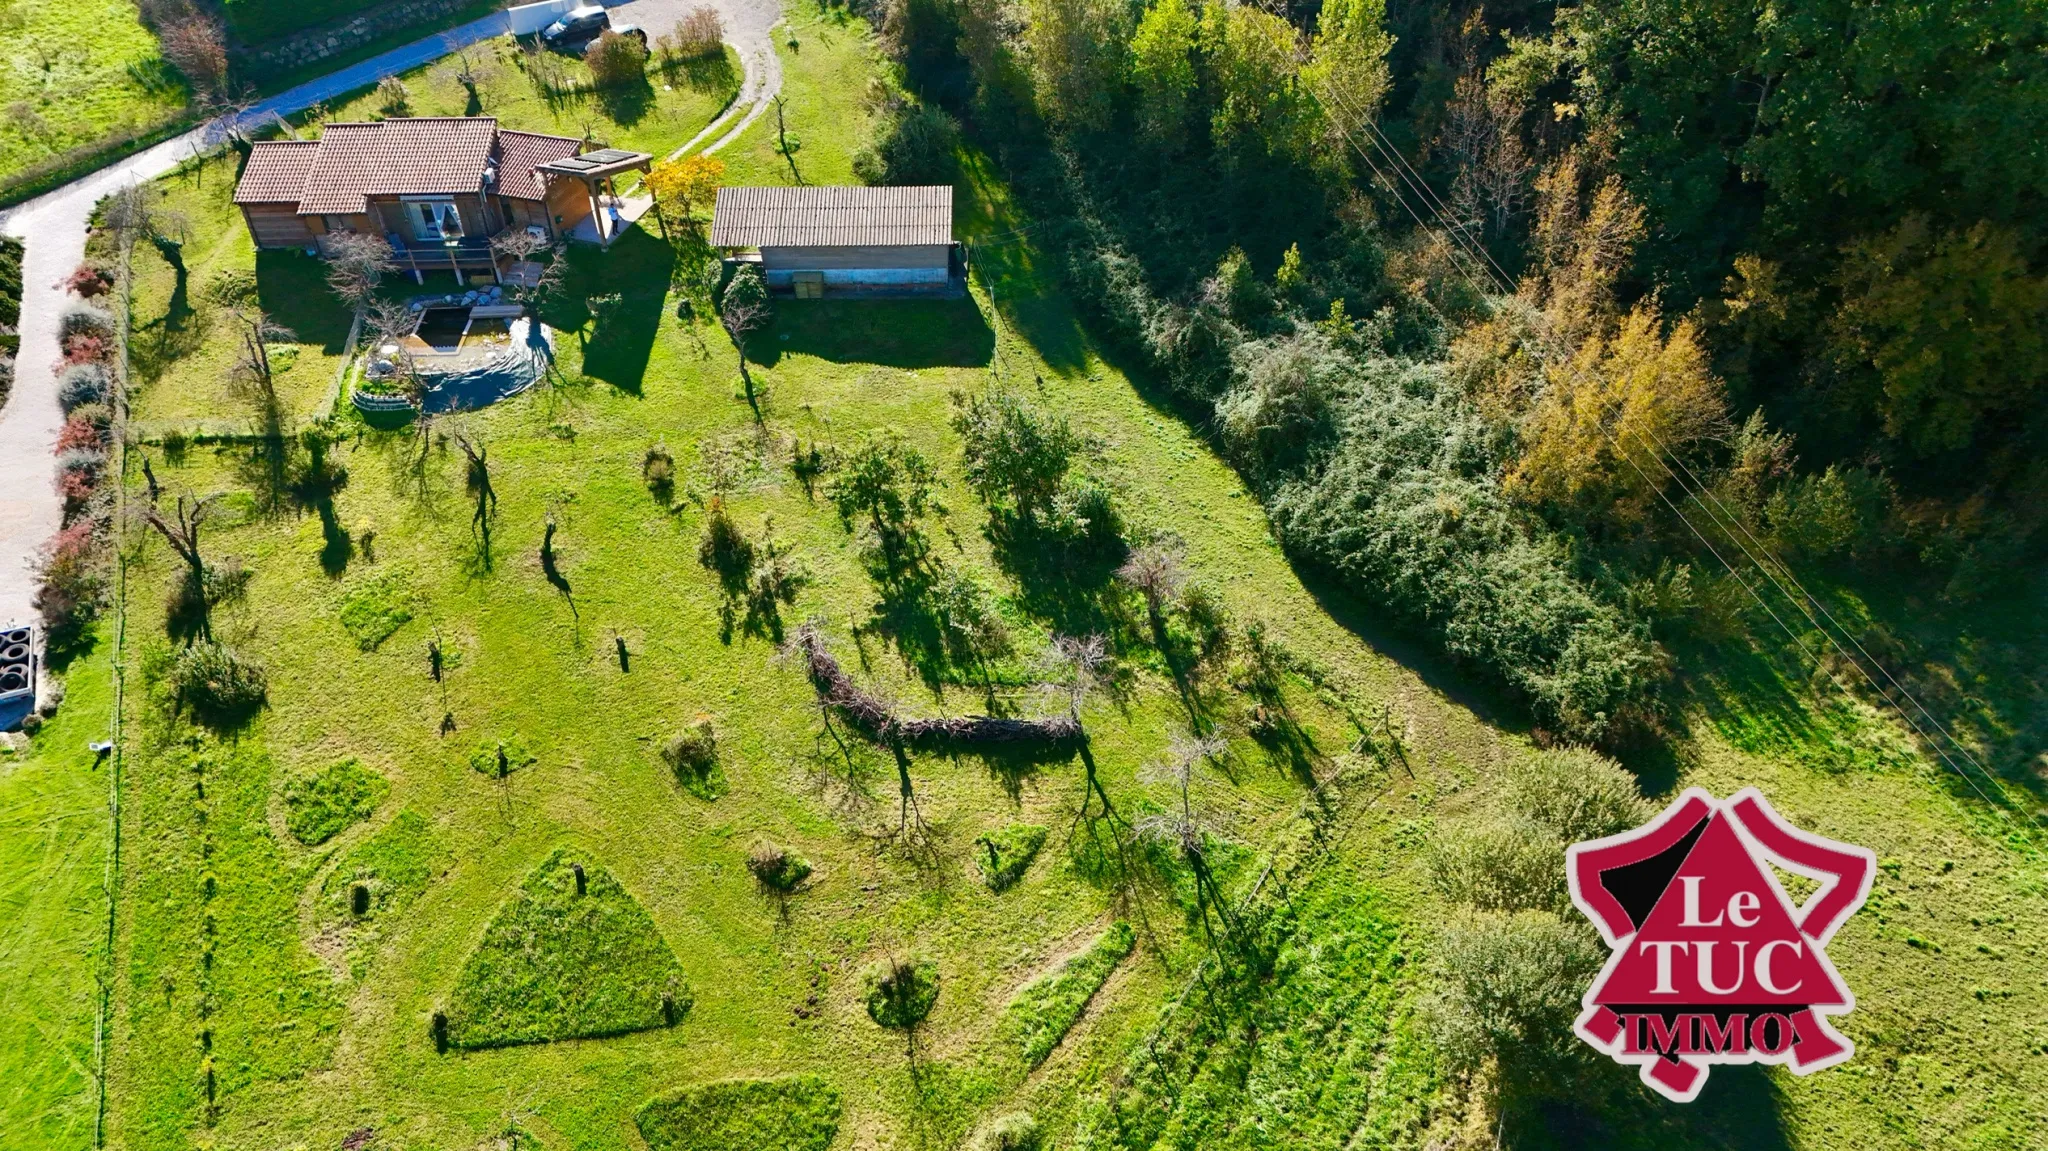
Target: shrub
{"x": 1017, "y": 1131}
{"x": 230, "y": 288}
{"x": 392, "y": 97}
{"x": 900, "y": 993}
{"x": 795, "y": 1113}
{"x": 693, "y": 755}
{"x": 699, "y": 33}
{"x": 777, "y": 868}
{"x": 725, "y": 549}
{"x": 85, "y": 348}
{"x": 1511, "y": 857}
{"x": 80, "y": 435}
{"x": 1507, "y": 989}
{"x": 616, "y": 61}
{"x": 1047, "y": 1007}
{"x": 1004, "y": 856}
{"x": 98, "y": 417}
{"x": 217, "y": 683}
{"x": 1283, "y": 403}
{"x": 86, "y": 320}
{"x": 1408, "y": 509}
{"x": 82, "y": 384}
{"x": 69, "y": 583}
{"x": 499, "y": 758}
{"x": 910, "y": 144}
{"x": 566, "y": 957}
{"x": 82, "y": 461}
{"x": 318, "y": 807}
{"x": 658, "y": 471}
{"x": 88, "y": 280}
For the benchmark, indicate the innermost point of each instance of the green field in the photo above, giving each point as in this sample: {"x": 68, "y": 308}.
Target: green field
{"x": 255, "y": 1006}
{"x": 54, "y": 831}
{"x": 72, "y": 75}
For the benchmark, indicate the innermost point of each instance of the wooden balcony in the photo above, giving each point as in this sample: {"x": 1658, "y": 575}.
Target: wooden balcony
{"x": 469, "y": 254}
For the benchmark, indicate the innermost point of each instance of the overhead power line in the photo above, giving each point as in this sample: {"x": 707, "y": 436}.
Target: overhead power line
{"x": 1774, "y": 569}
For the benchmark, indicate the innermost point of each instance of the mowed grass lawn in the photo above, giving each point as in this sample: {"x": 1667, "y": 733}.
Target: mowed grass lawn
{"x": 243, "y": 1020}
{"x": 53, "y": 917}
{"x": 74, "y": 73}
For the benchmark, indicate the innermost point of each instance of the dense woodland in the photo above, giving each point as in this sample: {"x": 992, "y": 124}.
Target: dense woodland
{"x": 1516, "y": 315}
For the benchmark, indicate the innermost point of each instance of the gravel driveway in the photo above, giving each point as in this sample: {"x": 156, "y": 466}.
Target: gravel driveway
{"x": 53, "y": 226}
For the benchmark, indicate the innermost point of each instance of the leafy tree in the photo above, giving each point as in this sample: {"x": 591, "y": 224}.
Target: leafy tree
{"x": 681, "y": 187}
{"x": 1347, "y": 66}
{"x": 1077, "y": 51}
{"x": 887, "y": 485}
{"x": 1953, "y": 325}
{"x": 1606, "y": 425}
{"x": 1016, "y": 455}
{"x": 1162, "y": 68}
{"x": 1261, "y": 107}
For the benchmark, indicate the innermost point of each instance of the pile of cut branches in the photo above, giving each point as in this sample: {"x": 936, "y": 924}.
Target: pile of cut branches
{"x": 879, "y": 721}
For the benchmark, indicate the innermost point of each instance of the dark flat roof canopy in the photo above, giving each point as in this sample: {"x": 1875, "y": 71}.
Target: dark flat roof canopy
{"x": 597, "y": 165}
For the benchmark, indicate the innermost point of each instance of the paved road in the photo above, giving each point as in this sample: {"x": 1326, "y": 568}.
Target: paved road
{"x": 53, "y": 225}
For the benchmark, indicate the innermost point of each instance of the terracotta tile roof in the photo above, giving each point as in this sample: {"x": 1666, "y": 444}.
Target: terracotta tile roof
{"x": 828, "y": 217}
{"x": 408, "y": 157}
{"x": 276, "y": 172}
{"x": 519, "y": 153}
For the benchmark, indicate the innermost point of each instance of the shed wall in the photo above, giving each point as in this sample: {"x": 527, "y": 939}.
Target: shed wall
{"x": 876, "y": 257}
{"x": 277, "y": 225}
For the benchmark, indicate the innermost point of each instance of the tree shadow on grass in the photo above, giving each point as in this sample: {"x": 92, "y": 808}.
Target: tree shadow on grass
{"x": 1069, "y": 584}
{"x": 291, "y": 287}
{"x": 627, "y": 104}
{"x": 1739, "y": 1109}
{"x": 636, "y": 269}
{"x": 892, "y": 333}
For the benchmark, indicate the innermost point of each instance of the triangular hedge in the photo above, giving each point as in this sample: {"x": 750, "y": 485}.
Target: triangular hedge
{"x": 554, "y": 964}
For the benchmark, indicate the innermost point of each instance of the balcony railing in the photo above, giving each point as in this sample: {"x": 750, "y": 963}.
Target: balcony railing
{"x": 470, "y": 252}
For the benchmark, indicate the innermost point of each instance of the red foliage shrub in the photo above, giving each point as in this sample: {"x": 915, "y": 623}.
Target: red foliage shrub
{"x": 85, "y": 348}
{"x": 75, "y": 487}
{"x": 68, "y": 587}
{"x": 80, "y": 432}
{"x": 88, "y": 281}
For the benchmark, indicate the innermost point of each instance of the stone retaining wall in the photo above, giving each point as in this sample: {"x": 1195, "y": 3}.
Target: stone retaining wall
{"x": 317, "y": 44}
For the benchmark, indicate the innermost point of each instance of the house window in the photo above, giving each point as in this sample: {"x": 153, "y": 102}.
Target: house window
{"x": 434, "y": 219}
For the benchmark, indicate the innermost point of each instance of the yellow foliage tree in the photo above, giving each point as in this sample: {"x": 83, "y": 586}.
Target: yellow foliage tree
{"x": 681, "y": 187}
{"x": 1611, "y": 418}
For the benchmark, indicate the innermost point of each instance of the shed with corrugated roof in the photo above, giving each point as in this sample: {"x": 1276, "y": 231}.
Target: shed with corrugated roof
{"x": 813, "y": 237}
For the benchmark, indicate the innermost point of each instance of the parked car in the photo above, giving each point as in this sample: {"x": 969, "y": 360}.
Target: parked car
{"x": 580, "y": 26}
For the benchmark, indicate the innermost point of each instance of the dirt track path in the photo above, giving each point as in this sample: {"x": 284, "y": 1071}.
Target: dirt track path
{"x": 54, "y": 224}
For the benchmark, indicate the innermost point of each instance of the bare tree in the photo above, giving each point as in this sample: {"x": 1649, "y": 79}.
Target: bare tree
{"x": 1188, "y": 825}
{"x": 181, "y": 531}
{"x": 1481, "y": 135}
{"x": 1158, "y": 571}
{"x": 252, "y": 369}
{"x": 356, "y": 265}
{"x": 742, "y": 314}
{"x": 197, "y": 45}
{"x": 520, "y": 246}
{"x": 390, "y": 323}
